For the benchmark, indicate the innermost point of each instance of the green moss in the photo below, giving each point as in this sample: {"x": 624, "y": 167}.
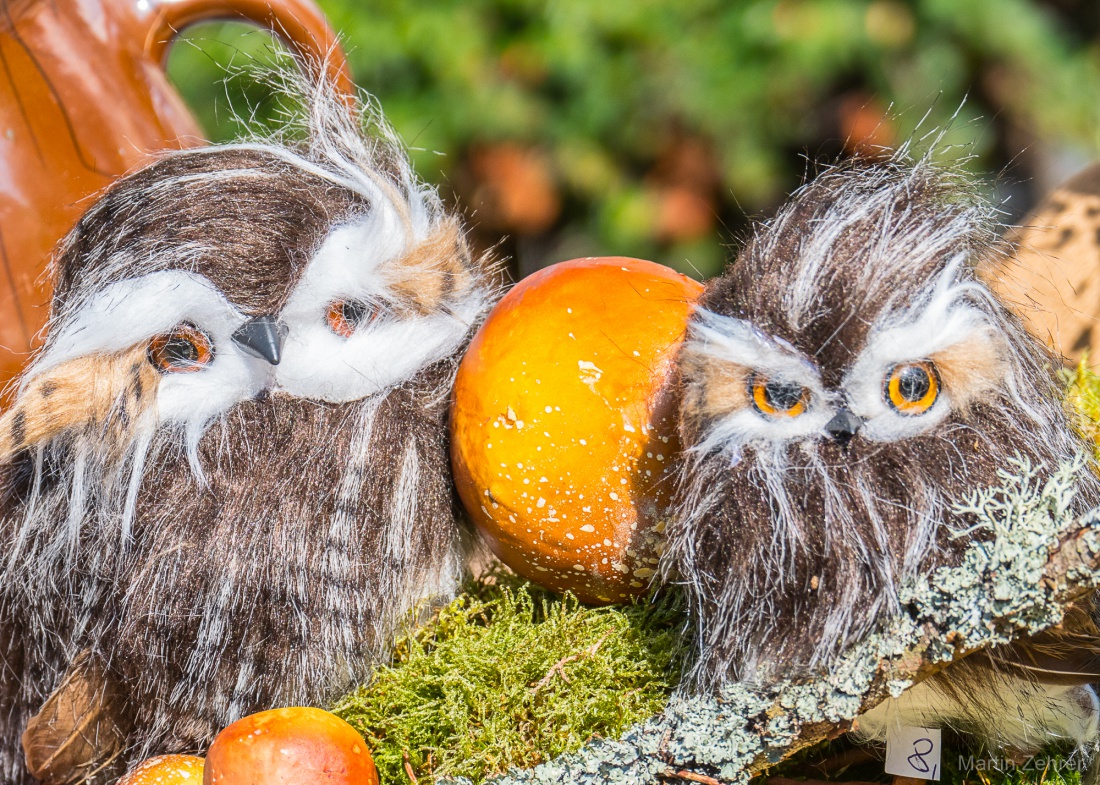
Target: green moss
{"x": 511, "y": 675}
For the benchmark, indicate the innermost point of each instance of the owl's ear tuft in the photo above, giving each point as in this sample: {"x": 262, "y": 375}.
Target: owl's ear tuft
{"x": 107, "y": 394}
{"x": 710, "y": 389}
{"x": 973, "y": 367}
{"x": 436, "y": 270}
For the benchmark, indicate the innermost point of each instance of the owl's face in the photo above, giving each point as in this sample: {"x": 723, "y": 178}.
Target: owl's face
{"x": 240, "y": 277}
{"x": 844, "y": 382}
{"x": 229, "y": 471}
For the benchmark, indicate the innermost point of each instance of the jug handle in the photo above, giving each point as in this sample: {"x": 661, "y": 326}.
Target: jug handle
{"x": 299, "y": 23}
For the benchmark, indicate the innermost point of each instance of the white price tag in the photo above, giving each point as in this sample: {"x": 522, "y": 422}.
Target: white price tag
{"x": 913, "y": 752}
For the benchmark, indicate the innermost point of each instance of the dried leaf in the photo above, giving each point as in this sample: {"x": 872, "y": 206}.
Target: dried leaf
{"x": 81, "y": 728}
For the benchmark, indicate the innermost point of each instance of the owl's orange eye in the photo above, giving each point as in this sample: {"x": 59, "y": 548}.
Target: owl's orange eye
{"x": 345, "y": 316}
{"x": 912, "y": 388}
{"x": 777, "y": 399}
{"x": 184, "y": 350}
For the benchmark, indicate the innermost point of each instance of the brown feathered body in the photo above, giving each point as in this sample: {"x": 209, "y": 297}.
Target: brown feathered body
{"x": 846, "y": 381}
{"x": 226, "y": 478}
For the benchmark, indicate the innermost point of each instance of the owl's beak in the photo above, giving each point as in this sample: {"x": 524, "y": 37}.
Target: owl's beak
{"x": 262, "y": 336}
{"x": 843, "y": 426}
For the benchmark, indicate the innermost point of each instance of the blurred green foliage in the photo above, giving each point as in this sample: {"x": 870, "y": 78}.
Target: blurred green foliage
{"x": 653, "y": 127}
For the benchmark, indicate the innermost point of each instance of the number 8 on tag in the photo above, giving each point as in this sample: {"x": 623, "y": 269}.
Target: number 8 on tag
{"x": 913, "y": 752}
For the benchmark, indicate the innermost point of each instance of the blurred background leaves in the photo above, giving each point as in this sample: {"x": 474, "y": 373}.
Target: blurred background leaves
{"x": 658, "y": 128}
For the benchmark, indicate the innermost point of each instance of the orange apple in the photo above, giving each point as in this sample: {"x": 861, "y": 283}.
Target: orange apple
{"x": 563, "y": 423}
{"x": 293, "y": 746}
{"x": 166, "y": 770}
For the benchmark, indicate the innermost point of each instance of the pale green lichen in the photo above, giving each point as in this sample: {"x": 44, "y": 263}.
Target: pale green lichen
{"x": 996, "y": 592}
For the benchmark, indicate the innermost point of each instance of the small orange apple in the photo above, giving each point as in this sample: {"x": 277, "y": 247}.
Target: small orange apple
{"x": 166, "y": 770}
{"x": 293, "y": 746}
{"x": 563, "y": 427}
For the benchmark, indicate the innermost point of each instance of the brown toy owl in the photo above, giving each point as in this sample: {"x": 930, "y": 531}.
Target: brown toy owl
{"x": 845, "y": 382}
{"x": 225, "y": 478}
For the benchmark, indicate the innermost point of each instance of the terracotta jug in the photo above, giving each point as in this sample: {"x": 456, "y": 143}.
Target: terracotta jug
{"x": 83, "y": 99}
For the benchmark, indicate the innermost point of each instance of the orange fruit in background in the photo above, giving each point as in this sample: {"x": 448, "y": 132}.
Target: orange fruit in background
{"x": 563, "y": 423}
{"x": 294, "y": 746}
{"x": 166, "y": 770}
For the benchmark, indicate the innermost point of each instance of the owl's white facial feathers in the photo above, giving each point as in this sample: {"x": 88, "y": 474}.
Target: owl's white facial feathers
{"x": 944, "y": 328}
{"x": 737, "y": 343}
{"x": 353, "y": 263}
{"x": 130, "y": 312}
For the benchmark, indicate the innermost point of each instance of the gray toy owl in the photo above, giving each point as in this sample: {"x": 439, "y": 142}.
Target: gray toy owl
{"x": 225, "y": 477}
{"x": 845, "y": 382}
